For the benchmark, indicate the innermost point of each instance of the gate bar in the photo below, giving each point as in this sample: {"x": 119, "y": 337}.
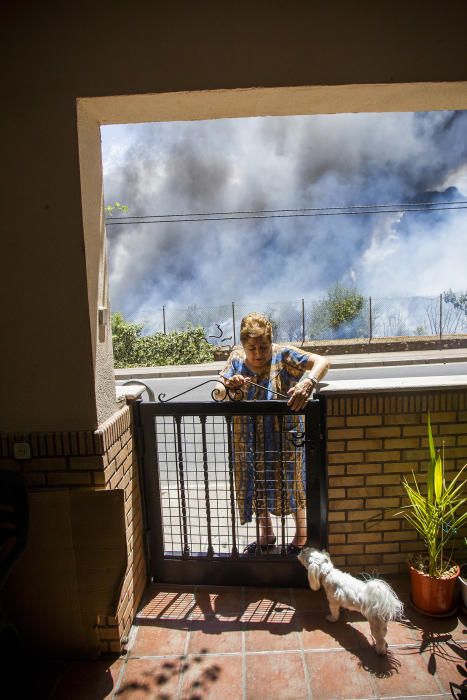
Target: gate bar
{"x": 178, "y": 423}
{"x": 206, "y": 485}
{"x": 282, "y": 485}
{"x": 231, "y": 486}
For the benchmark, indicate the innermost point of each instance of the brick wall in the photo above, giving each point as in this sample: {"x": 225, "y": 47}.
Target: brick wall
{"x": 101, "y": 459}
{"x": 121, "y": 473}
{"x": 373, "y": 441}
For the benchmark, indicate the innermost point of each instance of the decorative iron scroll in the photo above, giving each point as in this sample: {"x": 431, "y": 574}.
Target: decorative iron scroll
{"x": 216, "y": 394}
{"x": 220, "y": 337}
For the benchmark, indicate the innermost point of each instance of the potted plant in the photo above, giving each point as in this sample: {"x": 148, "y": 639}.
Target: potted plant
{"x": 463, "y": 582}
{"x": 437, "y": 517}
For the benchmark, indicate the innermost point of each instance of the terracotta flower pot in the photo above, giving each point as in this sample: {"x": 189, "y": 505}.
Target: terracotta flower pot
{"x": 463, "y": 583}
{"x": 434, "y": 596}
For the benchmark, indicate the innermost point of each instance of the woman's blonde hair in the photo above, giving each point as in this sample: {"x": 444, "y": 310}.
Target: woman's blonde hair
{"x": 254, "y": 325}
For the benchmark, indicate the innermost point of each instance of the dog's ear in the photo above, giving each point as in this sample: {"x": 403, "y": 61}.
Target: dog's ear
{"x": 304, "y": 555}
{"x": 313, "y": 576}
{"x": 326, "y": 555}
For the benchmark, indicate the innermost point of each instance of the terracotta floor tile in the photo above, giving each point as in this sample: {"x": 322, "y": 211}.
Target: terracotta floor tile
{"x": 433, "y": 628}
{"x": 261, "y": 603}
{"x": 277, "y": 597}
{"x": 261, "y": 611}
{"x": 145, "y": 679}
{"x": 437, "y": 696}
{"x": 409, "y": 676}
{"x": 199, "y": 615}
{"x": 397, "y": 634}
{"x": 214, "y": 635}
{"x": 218, "y": 601}
{"x": 275, "y": 677}
{"x": 167, "y": 605}
{"x": 277, "y": 634}
{"x": 450, "y": 665}
{"x": 338, "y": 674}
{"x": 306, "y": 599}
{"x": 90, "y": 679}
{"x": 213, "y": 677}
{"x": 318, "y": 633}
{"x": 154, "y": 640}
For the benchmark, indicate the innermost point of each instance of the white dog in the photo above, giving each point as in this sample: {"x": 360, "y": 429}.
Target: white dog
{"x": 374, "y": 598}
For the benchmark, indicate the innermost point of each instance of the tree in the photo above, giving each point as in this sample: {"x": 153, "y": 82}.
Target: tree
{"x": 458, "y": 300}
{"x": 394, "y": 325}
{"x": 452, "y": 318}
{"x": 453, "y": 321}
{"x": 340, "y": 315}
{"x": 125, "y": 337}
{"x": 117, "y": 208}
{"x": 291, "y": 322}
{"x": 274, "y": 320}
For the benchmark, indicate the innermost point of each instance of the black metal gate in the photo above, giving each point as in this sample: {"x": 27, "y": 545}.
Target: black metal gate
{"x": 188, "y": 458}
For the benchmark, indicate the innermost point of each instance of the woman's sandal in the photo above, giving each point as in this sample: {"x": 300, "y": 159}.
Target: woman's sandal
{"x": 294, "y": 548}
{"x": 251, "y": 547}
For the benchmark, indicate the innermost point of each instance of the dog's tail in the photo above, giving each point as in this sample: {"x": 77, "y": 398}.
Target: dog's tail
{"x": 379, "y": 600}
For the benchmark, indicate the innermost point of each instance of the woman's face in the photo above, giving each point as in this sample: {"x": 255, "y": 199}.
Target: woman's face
{"x": 258, "y": 352}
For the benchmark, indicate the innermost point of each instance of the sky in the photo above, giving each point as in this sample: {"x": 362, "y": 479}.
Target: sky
{"x": 270, "y": 163}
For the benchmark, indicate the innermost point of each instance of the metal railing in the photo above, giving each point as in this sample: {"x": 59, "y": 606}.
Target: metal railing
{"x": 196, "y": 533}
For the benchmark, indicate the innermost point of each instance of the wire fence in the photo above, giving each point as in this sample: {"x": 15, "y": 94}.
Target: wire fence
{"x": 320, "y": 319}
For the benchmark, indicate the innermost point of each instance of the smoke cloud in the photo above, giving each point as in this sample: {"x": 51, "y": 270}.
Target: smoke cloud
{"x": 285, "y": 162}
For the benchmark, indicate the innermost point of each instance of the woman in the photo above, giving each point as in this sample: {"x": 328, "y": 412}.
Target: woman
{"x": 258, "y": 472}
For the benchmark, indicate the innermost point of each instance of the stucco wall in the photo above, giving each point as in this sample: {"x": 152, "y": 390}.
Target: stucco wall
{"x": 119, "y": 62}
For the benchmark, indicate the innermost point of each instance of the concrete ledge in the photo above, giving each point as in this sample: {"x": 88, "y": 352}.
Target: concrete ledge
{"x": 129, "y": 392}
{"x": 393, "y": 384}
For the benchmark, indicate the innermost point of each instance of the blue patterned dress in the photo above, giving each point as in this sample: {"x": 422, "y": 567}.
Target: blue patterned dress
{"x": 266, "y": 477}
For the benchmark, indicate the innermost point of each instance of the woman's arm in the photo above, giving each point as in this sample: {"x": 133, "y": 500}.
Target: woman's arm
{"x": 318, "y": 364}
{"x": 301, "y": 392}
{"x": 229, "y": 377}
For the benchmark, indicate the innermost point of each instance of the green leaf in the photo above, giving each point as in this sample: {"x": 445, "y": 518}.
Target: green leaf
{"x": 438, "y": 478}
{"x": 431, "y": 467}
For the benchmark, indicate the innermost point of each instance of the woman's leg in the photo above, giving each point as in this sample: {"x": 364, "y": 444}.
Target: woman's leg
{"x": 266, "y": 531}
{"x": 300, "y": 527}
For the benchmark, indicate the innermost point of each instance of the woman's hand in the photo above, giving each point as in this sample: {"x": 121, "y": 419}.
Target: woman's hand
{"x": 235, "y": 382}
{"x": 299, "y": 394}
{"x": 234, "y": 385}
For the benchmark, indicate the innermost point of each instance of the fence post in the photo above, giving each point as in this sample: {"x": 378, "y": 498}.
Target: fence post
{"x": 163, "y": 318}
{"x": 440, "y": 317}
{"x": 233, "y": 323}
{"x": 303, "y": 320}
{"x": 371, "y": 322}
